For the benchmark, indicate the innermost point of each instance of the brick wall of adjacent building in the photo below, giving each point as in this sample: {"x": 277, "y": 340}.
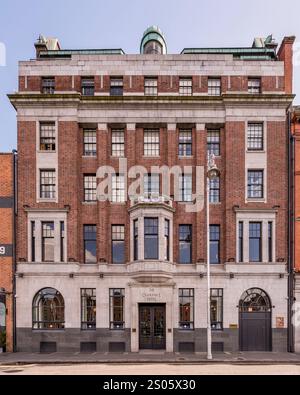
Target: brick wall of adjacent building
{"x": 6, "y": 238}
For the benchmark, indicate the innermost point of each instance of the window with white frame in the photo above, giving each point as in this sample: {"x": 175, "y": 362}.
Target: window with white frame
{"x": 185, "y": 142}
{"x": 214, "y": 86}
{"x": 185, "y": 187}
{"x": 117, "y": 143}
{"x": 48, "y": 85}
{"x": 255, "y": 237}
{"x": 89, "y": 142}
{"x": 255, "y": 184}
{"x": 151, "y": 142}
{"x": 214, "y": 190}
{"x": 90, "y": 187}
{"x": 213, "y": 142}
{"x": 47, "y": 136}
{"x": 48, "y": 242}
{"x": 255, "y": 136}
{"x": 150, "y": 86}
{"x": 185, "y": 86}
{"x": 254, "y": 85}
{"x": 151, "y": 184}
{"x": 116, "y": 86}
{"x": 47, "y": 237}
{"x": 118, "y": 188}
{"x": 47, "y": 184}
{"x": 88, "y": 86}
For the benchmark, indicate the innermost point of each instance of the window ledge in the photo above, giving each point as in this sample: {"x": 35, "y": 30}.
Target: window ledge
{"x": 45, "y": 200}
{"x": 255, "y": 200}
{"x": 185, "y": 156}
{"x": 89, "y": 156}
{"x": 93, "y": 203}
{"x": 258, "y": 151}
{"x": 151, "y": 157}
{"x": 44, "y": 151}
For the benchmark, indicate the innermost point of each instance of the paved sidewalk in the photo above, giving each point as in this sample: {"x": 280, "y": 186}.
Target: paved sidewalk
{"x": 149, "y": 357}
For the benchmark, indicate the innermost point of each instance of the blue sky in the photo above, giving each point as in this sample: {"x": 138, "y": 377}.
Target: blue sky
{"x": 120, "y": 23}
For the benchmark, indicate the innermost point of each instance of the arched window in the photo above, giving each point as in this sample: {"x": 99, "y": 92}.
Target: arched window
{"x": 254, "y": 300}
{"x": 48, "y": 310}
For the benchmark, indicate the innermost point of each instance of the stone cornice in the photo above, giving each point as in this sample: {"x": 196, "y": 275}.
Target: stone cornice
{"x": 76, "y": 99}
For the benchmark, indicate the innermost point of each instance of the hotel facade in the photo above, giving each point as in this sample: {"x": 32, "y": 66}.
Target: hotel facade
{"x": 101, "y": 269}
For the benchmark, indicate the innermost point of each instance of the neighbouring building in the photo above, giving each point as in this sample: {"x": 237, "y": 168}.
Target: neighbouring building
{"x": 7, "y": 193}
{"x": 129, "y": 273}
{"x": 295, "y": 245}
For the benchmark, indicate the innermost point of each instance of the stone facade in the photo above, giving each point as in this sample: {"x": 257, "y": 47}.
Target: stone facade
{"x": 157, "y": 281}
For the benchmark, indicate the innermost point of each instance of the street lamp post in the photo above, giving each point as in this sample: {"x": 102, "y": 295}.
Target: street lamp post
{"x": 212, "y": 173}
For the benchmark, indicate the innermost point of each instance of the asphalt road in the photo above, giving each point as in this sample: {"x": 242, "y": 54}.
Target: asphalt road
{"x": 154, "y": 369}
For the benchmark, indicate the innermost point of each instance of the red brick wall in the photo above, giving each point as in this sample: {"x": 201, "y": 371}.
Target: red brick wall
{"x": 72, "y": 166}
{"x": 6, "y": 237}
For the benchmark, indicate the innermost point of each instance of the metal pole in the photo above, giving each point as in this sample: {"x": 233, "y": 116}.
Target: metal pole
{"x": 209, "y": 354}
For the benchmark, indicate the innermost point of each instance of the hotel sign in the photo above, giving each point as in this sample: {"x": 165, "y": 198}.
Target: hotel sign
{"x": 6, "y": 250}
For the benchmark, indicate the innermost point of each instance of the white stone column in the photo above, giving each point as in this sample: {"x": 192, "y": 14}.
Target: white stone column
{"x": 134, "y": 321}
{"x": 161, "y": 238}
{"x": 38, "y": 241}
{"x": 141, "y": 238}
{"x": 246, "y": 240}
{"x": 56, "y": 241}
{"x": 264, "y": 241}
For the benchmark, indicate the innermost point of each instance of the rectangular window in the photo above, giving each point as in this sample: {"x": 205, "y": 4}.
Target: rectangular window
{"x": 62, "y": 241}
{"x": 213, "y": 142}
{"x": 185, "y": 142}
{"x": 48, "y": 244}
{"x": 167, "y": 240}
{"x": 185, "y": 86}
{"x": 118, "y": 188}
{"x": 90, "y": 187}
{"x": 151, "y": 142}
{"x": 32, "y": 241}
{"x": 185, "y": 187}
{"x": 47, "y": 184}
{"x": 151, "y": 238}
{"x": 89, "y": 142}
{"x": 151, "y": 86}
{"x": 214, "y": 243}
{"x": 116, "y": 308}
{"x": 214, "y": 86}
{"x": 135, "y": 240}
{"x": 88, "y": 86}
{"x": 186, "y": 308}
{"x": 216, "y": 309}
{"x": 118, "y": 243}
{"x": 255, "y": 184}
{"x": 151, "y": 184}
{"x": 47, "y": 136}
{"x": 116, "y": 86}
{"x": 255, "y": 137}
{"x": 48, "y": 85}
{"x": 214, "y": 190}
{"x": 117, "y": 143}
{"x": 185, "y": 243}
{"x": 90, "y": 243}
{"x": 88, "y": 308}
{"x": 241, "y": 241}
{"x": 255, "y": 241}
{"x": 254, "y": 85}
{"x": 270, "y": 241}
